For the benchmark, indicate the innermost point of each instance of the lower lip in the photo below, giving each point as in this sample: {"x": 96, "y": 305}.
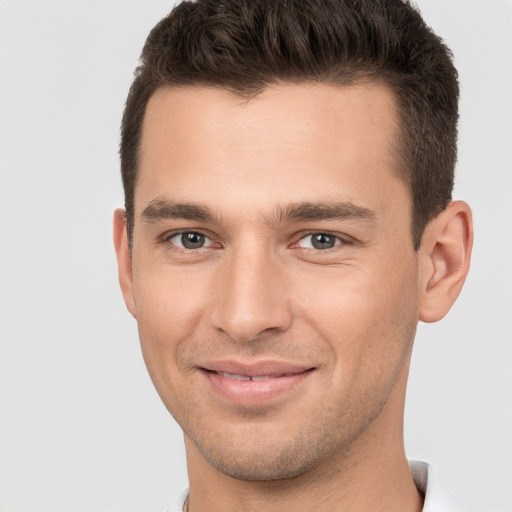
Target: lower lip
{"x": 253, "y": 393}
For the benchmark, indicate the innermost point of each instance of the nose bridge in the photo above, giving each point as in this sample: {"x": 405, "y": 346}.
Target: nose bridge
{"x": 251, "y": 295}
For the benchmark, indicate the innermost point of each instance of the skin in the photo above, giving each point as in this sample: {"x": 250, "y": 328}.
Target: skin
{"x": 260, "y": 290}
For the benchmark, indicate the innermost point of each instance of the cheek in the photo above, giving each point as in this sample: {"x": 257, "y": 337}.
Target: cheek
{"x": 168, "y": 299}
{"x": 170, "y": 307}
{"x": 368, "y": 315}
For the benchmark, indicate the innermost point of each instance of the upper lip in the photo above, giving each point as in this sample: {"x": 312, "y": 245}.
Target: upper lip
{"x": 256, "y": 368}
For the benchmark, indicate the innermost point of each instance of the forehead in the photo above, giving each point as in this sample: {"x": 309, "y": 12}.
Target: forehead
{"x": 305, "y": 142}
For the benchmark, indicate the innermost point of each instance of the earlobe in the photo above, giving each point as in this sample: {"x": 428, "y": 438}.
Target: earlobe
{"x": 124, "y": 259}
{"x": 445, "y": 254}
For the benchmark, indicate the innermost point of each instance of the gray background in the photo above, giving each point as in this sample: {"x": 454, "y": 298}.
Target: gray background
{"x": 81, "y": 428}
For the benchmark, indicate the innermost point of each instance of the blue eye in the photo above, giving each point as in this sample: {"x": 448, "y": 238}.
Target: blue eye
{"x": 319, "y": 241}
{"x": 191, "y": 240}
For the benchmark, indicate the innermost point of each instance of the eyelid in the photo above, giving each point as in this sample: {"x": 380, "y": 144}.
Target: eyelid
{"x": 166, "y": 238}
{"x": 343, "y": 239}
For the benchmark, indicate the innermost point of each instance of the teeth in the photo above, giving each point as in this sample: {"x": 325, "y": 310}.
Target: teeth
{"x": 264, "y": 377}
{"x": 234, "y": 376}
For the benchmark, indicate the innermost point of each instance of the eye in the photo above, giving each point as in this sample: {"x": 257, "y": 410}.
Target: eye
{"x": 190, "y": 240}
{"x": 320, "y": 241}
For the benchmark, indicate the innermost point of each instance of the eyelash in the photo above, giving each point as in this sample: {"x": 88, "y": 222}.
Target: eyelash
{"x": 167, "y": 238}
{"x": 339, "y": 241}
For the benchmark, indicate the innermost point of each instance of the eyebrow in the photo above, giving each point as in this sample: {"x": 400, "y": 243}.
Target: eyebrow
{"x": 162, "y": 209}
{"x": 300, "y": 212}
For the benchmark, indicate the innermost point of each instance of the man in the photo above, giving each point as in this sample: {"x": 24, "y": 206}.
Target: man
{"x": 288, "y": 169}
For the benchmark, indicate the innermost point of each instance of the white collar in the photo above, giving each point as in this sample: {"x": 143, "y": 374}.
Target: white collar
{"x": 437, "y": 497}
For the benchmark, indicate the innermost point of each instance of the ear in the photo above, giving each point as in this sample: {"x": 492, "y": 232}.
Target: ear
{"x": 124, "y": 259}
{"x": 445, "y": 253}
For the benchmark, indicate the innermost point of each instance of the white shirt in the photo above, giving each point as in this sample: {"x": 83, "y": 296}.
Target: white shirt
{"x": 437, "y": 497}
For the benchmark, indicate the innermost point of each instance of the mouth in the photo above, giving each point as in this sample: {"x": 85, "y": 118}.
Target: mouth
{"x": 258, "y": 384}
{"x": 253, "y": 378}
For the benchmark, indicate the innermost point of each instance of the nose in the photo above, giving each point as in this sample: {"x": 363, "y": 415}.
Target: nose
{"x": 251, "y": 298}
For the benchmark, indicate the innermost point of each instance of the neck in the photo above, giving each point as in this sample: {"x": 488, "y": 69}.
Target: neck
{"x": 373, "y": 475}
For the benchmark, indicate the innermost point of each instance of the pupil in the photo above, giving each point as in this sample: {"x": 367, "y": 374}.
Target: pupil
{"x": 323, "y": 241}
{"x": 192, "y": 240}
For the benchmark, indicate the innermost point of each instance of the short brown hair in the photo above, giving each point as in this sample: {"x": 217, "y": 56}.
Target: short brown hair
{"x": 246, "y": 45}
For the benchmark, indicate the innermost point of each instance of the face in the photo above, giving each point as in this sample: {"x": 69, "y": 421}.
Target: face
{"x": 274, "y": 279}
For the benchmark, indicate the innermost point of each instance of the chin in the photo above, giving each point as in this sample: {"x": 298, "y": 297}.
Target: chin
{"x": 260, "y": 466}
{"x": 258, "y": 456}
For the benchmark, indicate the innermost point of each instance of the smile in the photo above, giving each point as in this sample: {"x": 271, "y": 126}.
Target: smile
{"x": 252, "y": 385}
